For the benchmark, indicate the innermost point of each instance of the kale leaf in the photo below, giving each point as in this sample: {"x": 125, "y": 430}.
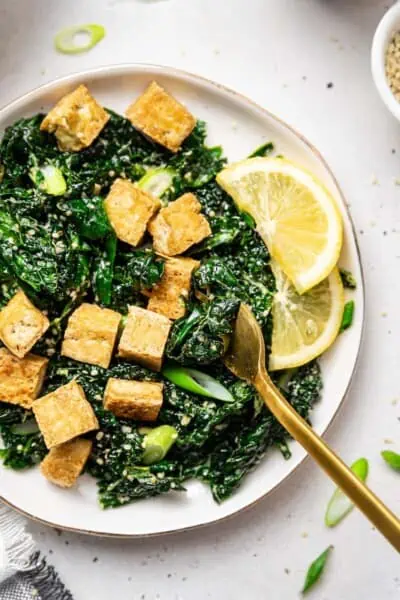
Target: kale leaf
{"x": 199, "y": 338}
{"x": 19, "y": 451}
{"x": 141, "y": 269}
{"x": 134, "y": 272}
{"x": 103, "y": 270}
{"x": 220, "y": 277}
{"x": 196, "y": 164}
{"x": 90, "y": 217}
{"x": 28, "y": 250}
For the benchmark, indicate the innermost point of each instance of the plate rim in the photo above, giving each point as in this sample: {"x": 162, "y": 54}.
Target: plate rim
{"x": 151, "y": 68}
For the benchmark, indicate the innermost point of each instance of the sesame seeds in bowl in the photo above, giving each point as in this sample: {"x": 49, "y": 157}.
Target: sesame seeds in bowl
{"x": 385, "y": 59}
{"x": 392, "y": 65}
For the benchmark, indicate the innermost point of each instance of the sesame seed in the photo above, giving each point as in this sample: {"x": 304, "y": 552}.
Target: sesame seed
{"x": 392, "y": 65}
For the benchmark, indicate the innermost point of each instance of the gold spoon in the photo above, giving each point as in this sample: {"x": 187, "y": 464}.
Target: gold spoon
{"x": 246, "y": 359}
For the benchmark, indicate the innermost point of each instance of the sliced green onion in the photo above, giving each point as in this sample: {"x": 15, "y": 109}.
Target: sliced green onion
{"x": 316, "y": 569}
{"x": 49, "y": 179}
{"x": 157, "y": 181}
{"x": 392, "y": 459}
{"x": 284, "y": 448}
{"x": 26, "y": 428}
{"x": 348, "y": 314}
{"x": 65, "y": 40}
{"x": 197, "y": 382}
{"x": 157, "y": 443}
{"x": 263, "y": 150}
{"x": 339, "y": 505}
{"x": 348, "y": 279}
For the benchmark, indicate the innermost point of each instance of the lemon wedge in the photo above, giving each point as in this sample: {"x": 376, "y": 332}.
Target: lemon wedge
{"x": 295, "y": 215}
{"x": 304, "y": 325}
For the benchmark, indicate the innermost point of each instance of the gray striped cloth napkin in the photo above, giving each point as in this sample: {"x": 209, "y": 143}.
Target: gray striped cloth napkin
{"x": 24, "y": 573}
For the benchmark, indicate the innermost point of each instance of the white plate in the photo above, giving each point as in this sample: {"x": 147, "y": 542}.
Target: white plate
{"x": 240, "y": 126}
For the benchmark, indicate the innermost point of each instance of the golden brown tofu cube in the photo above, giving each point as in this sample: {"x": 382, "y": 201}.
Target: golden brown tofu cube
{"x": 21, "y": 379}
{"x": 129, "y": 209}
{"x": 64, "y": 463}
{"x": 139, "y": 400}
{"x": 178, "y": 226}
{"x": 169, "y": 296}
{"x": 162, "y": 118}
{"x": 90, "y": 335}
{"x": 144, "y": 337}
{"x": 76, "y": 120}
{"x": 21, "y": 324}
{"x": 64, "y": 414}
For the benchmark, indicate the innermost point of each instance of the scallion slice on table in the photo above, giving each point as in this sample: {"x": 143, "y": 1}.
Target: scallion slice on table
{"x": 197, "y": 382}
{"x": 157, "y": 443}
{"x": 392, "y": 459}
{"x": 157, "y": 181}
{"x": 316, "y": 569}
{"x": 49, "y": 179}
{"x": 66, "y": 40}
{"x": 339, "y": 505}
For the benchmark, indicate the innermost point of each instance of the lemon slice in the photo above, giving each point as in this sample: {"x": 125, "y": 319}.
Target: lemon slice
{"x": 295, "y": 215}
{"x": 304, "y": 325}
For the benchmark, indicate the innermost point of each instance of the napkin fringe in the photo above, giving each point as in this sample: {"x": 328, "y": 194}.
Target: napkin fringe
{"x": 18, "y": 544}
{"x": 44, "y": 579}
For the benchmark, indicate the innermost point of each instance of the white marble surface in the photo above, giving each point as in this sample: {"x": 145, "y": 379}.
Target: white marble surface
{"x": 282, "y": 53}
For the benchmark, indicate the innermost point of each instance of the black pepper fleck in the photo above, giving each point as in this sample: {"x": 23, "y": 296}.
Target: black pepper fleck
{"x": 385, "y": 233}
{"x": 95, "y": 559}
{"x": 329, "y": 85}
{"x": 393, "y": 150}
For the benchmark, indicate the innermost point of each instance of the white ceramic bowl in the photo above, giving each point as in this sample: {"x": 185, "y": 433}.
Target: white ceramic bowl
{"x": 240, "y": 126}
{"x": 388, "y": 26}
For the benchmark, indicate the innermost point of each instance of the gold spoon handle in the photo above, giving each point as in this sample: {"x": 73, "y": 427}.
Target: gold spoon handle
{"x": 373, "y": 508}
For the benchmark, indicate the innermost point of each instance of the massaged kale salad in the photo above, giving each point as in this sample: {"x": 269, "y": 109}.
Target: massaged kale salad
{"x": 58, "y": 246}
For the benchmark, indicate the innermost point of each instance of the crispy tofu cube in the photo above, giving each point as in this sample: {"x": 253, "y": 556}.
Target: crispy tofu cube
{"x": 76, "y": 120}
{"x": 144, "y": 337}
{"x": 178, "y": 226}
{"x": 64, "y": 414}
{"x": 162, "y": 118}
{"x": 90, "y": 335}
{"x": 21, "y": 379}
{"x": 168, "y": 296}
{"x": 64, "y": 463}
{"x": 129, "y": 209}
{"x": 21, "y": 324}
{"x": 139, "y": 400}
